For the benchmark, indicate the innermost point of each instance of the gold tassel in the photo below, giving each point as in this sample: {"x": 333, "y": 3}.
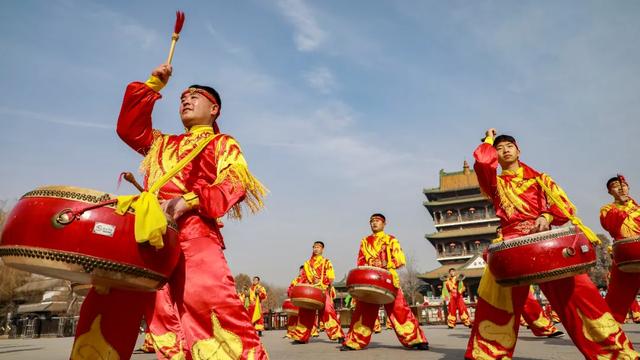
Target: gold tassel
{"x": 240, "y": 175}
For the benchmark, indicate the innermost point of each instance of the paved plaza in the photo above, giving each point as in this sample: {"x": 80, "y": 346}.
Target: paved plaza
{"x": 445, "y": 344}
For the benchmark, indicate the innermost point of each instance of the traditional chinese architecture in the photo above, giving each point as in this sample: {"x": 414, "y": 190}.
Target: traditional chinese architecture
{"x": 465, "y": 223}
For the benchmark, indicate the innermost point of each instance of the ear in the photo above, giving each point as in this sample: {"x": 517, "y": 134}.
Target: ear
{"x": 215, "y": 110}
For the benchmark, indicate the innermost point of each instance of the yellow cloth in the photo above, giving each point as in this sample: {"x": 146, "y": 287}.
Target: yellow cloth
{"x": 150, "y": 220}
{"x": 495, "y": 294}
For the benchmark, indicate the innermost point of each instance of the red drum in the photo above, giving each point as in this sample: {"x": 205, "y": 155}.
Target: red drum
{"x": 307, "y": 296}
{"x": 97, "y": 247}
{"x": 289, "y": 308}
{"x": 626, "y": 254}
{"x": 541, "y": 257}
{"x": 372, "y": 285}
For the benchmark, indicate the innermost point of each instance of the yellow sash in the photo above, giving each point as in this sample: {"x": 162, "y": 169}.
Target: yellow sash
{"x": 150, "y": 220}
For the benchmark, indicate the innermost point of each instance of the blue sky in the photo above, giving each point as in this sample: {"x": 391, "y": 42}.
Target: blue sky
{"x": 343, "y": 108}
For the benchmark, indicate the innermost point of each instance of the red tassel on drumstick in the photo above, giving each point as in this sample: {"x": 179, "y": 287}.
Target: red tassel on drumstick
{"x": 176, "y": 34}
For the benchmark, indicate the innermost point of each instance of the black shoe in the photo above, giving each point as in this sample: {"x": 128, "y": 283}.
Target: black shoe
{"x": 556, "y": 334}
{"x": 346, "y": 348}
{"x": 421, "y": 346}
{"x": 340, "y": 340}
{"x": 298, "y": 342}
{"x": 260, "y": 333}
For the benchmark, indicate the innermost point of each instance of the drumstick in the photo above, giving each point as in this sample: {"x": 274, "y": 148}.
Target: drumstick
{"x": 176, "y": 34}
{"x": 132, "y": 180}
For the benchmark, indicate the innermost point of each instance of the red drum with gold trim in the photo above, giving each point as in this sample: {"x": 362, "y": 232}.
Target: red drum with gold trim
{"x": 372, "y": 285}
{"x": 308, "y": 296}
{"x": 96, "y": 247}
{"x": 289, "y": 309}
{"x": 626, "y": 254}
{"x": 541, "y": 257}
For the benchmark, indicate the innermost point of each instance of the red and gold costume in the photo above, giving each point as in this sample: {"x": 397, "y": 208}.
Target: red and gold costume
{"x": 635, "y": 311}
{"x": 292, "y": 320}
{"x": 535, "y": 318}
{"x": 318, "y": 271}
{"x": 197, "y": 314}
{"x": 452, "y": 292}
{"x": 621, "y": 221}
{"x": 519, "y": 199}
{"x": 257, "y": 294}
{"x": 386, "y": 249}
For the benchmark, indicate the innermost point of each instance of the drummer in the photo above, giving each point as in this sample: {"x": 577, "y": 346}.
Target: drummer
{"x": 317, "y": 271}
{"x": 621, "y": 219}
{"x": 382, "y": 250}
{"x": 257, "y": 294}
{"x": 452, "y": 291}
{"x": 523, "y": 208}
{"x": 198, "y": 312}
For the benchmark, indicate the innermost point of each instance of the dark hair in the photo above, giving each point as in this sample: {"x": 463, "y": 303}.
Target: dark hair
{"x": 378, "y": 215}
{"x": 615, "y": 178}
{"x": 257, "y": 277}
{"x": 211, "y": 91}
{"x": 319, "y": 242}
{"x": 452, "y": 269}
{"x": 504, "y": 138}
{"x": 301, "y": 267}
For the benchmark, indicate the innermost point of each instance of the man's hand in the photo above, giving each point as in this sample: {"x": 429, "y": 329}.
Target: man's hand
{"x": 377, "y": 263}
{"x": 491, "y": 133}
{"x": 163, "y": 72}
{"x": 542, "y": 224}
{"x": 175, "y": 207}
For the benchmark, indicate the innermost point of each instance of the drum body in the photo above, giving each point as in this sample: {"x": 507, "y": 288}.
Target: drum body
{"x": 308, "y": 296}
{"x": 372, "y": 285}
{"x": 289, "y": 309}
{"x": 541, "y": 257}
{"x": 98, "y": 247}
{"x": 626, "y": 254}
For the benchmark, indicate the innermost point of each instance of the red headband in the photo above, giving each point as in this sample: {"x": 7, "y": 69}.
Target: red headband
{"x": 201, "y": 92}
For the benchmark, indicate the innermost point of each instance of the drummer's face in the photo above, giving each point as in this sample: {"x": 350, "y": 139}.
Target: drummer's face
{"x": 195, "y": 109}
{"x": 507, "y": 153}
{"x": 317, "y": 249}
{"x": 377, "y": 224}
{"x": 619, "y": 191}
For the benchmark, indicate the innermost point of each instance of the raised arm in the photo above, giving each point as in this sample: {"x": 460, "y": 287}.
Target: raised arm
{"x": 134, "y": 122}
{"x": 486, "y": 164}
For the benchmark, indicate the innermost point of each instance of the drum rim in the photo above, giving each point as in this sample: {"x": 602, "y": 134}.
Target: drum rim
{"x": 370, "y": 267}
{"x": 626, "y": 241}
{"x": 531, "y": 278}
{"x": 307, "y": 301}
{"x": 87, "y": 262}
{"x": 533, "y": 238}
{"x": 70, "y": 192}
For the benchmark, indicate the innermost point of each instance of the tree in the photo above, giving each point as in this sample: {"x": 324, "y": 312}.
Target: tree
{"x": 243, "y": 281}
{"x": 410, "y": 283}
{"x": 11, "y": 278}
{"x": 600, "y": 272}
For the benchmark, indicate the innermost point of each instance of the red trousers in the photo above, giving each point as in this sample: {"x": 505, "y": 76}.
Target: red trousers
{"x": 404, "y": 323}
{"x": 456, "y": 304}
{"x": 539, "y": 323}
{"x": 196, "y": 315}
{"x": 307, "y": 319}
{"x": 582, "y": 310}
{"x": 623, "y": 288}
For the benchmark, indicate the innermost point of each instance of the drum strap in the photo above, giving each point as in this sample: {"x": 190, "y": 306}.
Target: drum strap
{"x": 150, "y": 220}
{"x": 574, "y": 219}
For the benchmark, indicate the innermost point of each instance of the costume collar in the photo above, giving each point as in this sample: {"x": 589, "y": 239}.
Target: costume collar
{"x": 519, "y": 172}
{"x": 199, "y": 129}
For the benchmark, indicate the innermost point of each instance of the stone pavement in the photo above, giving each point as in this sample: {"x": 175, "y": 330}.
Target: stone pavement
{"x": 445, "y": 344}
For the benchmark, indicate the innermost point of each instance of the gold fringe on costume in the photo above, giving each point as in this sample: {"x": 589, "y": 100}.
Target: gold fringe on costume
{"x": 239, "y": 174}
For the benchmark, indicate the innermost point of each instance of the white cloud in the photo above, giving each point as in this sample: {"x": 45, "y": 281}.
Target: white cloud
{"x": 308, "y": 35}
{"x": 37, "y": 116}
{"x": 321, "y": 79}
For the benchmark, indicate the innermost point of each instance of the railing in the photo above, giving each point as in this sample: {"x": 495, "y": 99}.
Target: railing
{"x": 467, "y": 217}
